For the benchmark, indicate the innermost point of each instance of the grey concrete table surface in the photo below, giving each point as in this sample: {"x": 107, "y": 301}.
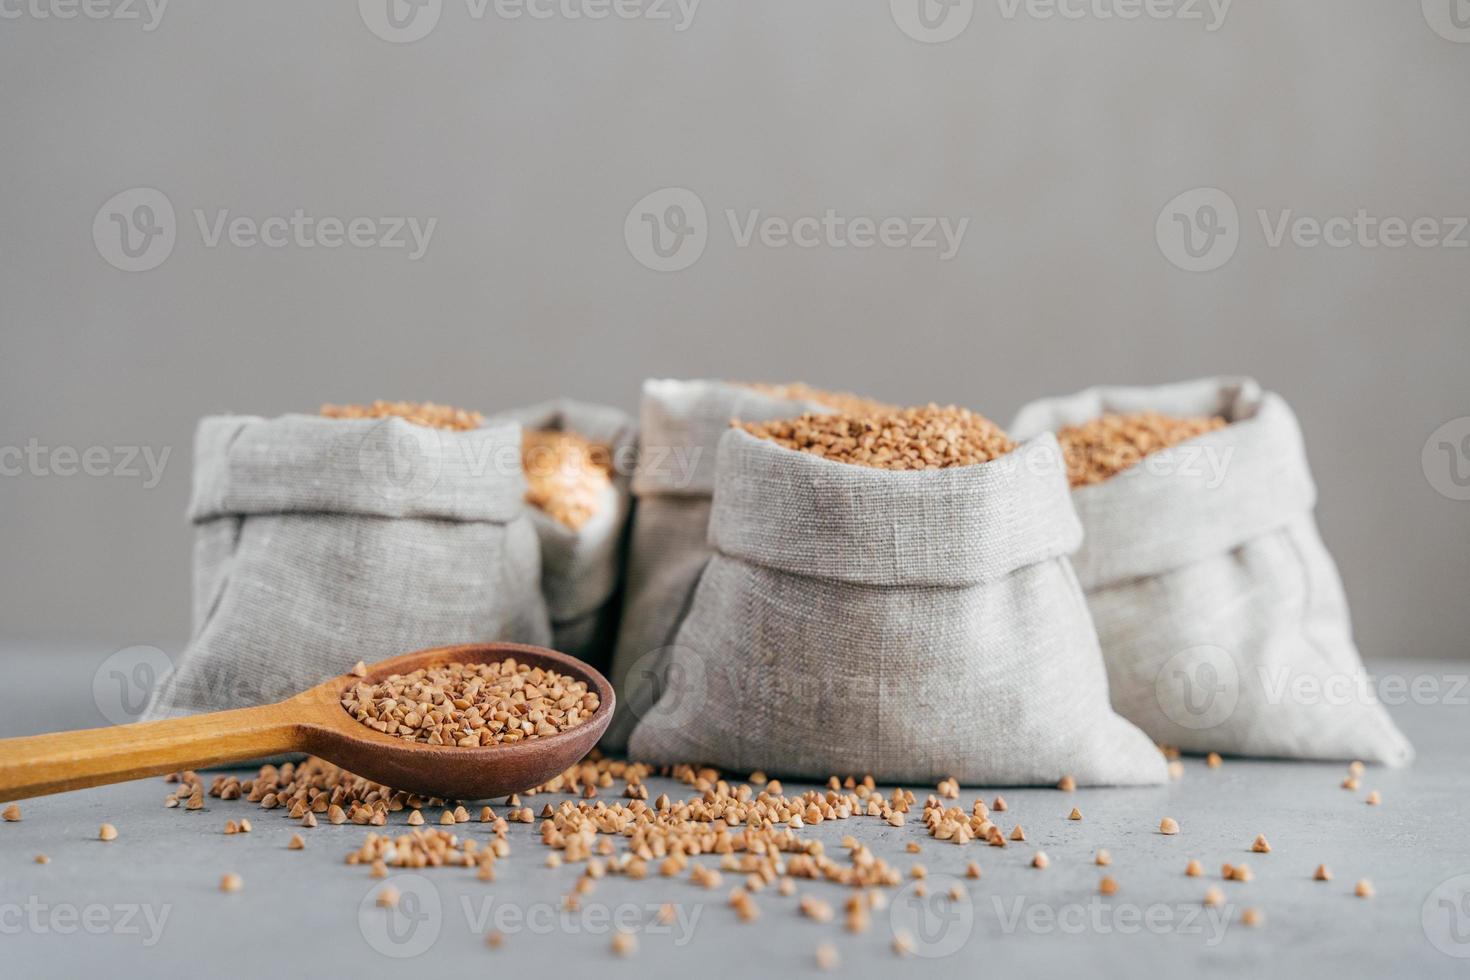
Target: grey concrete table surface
{"x": 148, "y": 904}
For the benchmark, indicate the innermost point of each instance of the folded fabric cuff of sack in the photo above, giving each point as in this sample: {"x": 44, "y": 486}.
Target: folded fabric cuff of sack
{"x": 681, "y": 422}
{"x": 1202, "y": 497}
{"x": 376, "y": 467}
{"x": 800, "y": 513}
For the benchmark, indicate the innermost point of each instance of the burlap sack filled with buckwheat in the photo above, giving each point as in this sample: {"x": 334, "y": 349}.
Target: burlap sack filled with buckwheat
{"x": 323, "y": 541}
{"x": 908, "y": 625}
{"x": 680, "y": 425}
{"x": 582, "y": 557}
{"x": 1221, "y": 615}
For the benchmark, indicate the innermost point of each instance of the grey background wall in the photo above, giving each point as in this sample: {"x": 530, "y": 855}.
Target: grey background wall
{"x": 530, "y": 139}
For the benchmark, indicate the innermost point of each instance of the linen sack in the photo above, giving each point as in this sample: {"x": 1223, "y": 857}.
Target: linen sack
{"x": 680, "y": 426}
{"x": 1221, "y": 615}
{"x": 581, "y": 568}
{"x": 908, "y": 625}
{"x": 321, "y": 542}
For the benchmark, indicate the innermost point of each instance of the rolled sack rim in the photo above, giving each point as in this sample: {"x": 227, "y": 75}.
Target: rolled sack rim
{"x": 957, "y": 526}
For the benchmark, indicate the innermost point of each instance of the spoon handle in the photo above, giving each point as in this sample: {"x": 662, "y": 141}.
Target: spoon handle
{"x": 35, "y": 765}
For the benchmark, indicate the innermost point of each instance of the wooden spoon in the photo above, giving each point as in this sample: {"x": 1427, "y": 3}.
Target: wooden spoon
{"x": 315, "y": 722}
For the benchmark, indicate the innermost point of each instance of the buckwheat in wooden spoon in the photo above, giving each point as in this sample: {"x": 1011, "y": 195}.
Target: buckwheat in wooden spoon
{"x": 315, "y": 721}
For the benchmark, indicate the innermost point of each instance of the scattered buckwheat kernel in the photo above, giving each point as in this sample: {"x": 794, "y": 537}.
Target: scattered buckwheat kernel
{"x": 495, "y": 939}
{"x": 1076, "y": 814}
{"x": 1019, "y": 834}
{"x": 1227, "y": 871}
{"x": 1373, "y": 798}
{"x": 1260, "y": 845}
{"x": 1213, "y": 760}
{"x": 1040, "y": 860}
{"x": 231, "y": 827}
{"x": 913, "y": 847}
{"x": 827, "y": 957}
{"x": 379, "y": 869}
{"x": 231, "y": 882}
{"x": 957, "y": 892}
{"x": 42, "y": 859}
{"x": 295, "y": 843}
{"x": 1364, "y": 888}
{"x": 1350, "y": 783}
{"x": 1168, "y": 825}
{"x": 1066, "y": 784}
{"x": 1356, "y": 767}
{"x": 245, "y": 827}
{"x": 903, "y": 943}
{"x": 1322, "y": 874}
{"x": 388, "y": 897}
{"x": 972, "y": 870}
{"x": 1108, "y": 886}
{"x": 1194, "y": 869}
{"x": 1214, "y": 897}
{"x": 1252, "y": 917}
{"x": 624, "y": 943}
{"x": 359, "y": 669}
{"x": 1103, "y": 858}
{"x": 11, "y": 813}
{"x": 1176, "y": 769}
{"x": 415, "y": 818}
{"x": 1241, "y": 872}
{"x": 999, "y": 805}
{"x": 107, "y": 832}
{"x": 918, "y": 871}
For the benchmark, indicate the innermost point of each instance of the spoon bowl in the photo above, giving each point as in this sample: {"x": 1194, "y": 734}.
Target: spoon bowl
{"x": 315, "y": 722}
